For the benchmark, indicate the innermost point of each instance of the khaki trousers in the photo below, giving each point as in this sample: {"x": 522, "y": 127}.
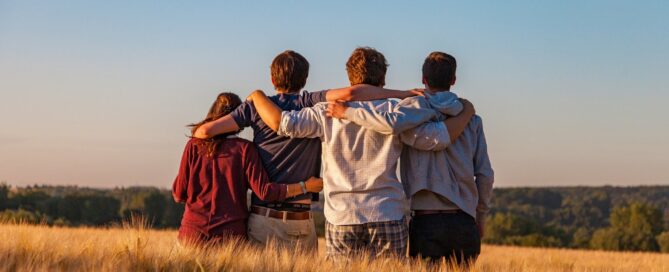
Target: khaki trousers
{"x": 297, "y": 234}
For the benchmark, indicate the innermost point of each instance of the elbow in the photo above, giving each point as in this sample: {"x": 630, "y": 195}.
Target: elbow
{"x": 203, "y": 132}
{"x": 177, "y": 198}
{"x": 273, "y": 125}
{"x": 268, "y": 196}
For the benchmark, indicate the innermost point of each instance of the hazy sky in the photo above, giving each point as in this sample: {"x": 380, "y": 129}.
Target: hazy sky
{"x": 97, "y": 93}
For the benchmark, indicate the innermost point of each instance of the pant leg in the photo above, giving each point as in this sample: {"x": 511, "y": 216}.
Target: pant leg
{"x": 387, "y": 238}
{"x": 294, "y": 234}
{"x": 451, "y": 236}
{"x": 343, "y": 241}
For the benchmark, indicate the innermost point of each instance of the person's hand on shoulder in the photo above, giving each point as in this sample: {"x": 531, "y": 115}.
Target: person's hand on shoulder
{"x": 336, "y": 110}
{"x": 416, "y": 92}
{"x": 467, "y": 107}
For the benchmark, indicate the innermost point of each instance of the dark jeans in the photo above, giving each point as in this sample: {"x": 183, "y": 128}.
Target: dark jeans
{"x": 453, "y": 236}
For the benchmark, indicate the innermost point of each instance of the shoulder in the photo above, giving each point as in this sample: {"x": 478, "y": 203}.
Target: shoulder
{"x": 414, "y": 102}
{"x": 309, "y": 99}
{"x": 476, "y": 122}
{"x": 241, "y": 142}
{"x": 193, "y": 145}
{"x": 193, "y": 142}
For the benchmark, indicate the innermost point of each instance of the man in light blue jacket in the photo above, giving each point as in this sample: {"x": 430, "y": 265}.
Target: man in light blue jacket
{"x": 450, "y": 190}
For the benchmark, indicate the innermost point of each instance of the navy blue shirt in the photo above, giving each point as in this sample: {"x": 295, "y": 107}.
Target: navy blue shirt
{"x": 286, "y": 160}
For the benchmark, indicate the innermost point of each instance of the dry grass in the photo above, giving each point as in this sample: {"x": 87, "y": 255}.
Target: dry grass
{"x": 38, "y": 248}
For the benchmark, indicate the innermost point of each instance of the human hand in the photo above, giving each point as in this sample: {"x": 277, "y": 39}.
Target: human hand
{"x": 481, "y": 228}
{"x": 416, "y": 92}
{"x": 314, "y": 184}
{"x": 336, "y": 110}
{"x": 467, "y": 107}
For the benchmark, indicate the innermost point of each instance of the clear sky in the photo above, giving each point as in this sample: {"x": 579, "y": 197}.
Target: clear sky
{"x": 97, "y": 93}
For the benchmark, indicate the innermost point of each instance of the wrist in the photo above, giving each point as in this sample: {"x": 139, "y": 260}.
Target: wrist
{"x": 303, "y": 186}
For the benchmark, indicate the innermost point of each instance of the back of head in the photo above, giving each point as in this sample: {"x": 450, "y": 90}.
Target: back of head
{"x": 367, "y": 66}
{"x": 439, "y": 70}
{"x": 289, "y": 71}
{"x": 225, "y": 103}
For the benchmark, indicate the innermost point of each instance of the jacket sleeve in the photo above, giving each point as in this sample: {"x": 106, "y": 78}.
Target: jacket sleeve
{"x": 431, "y": 136}
{"x": 483, "y": 173}
{"x": 257, "y": 177}
{"x": 402, "y": 116}
{"x": 305, "y": 123}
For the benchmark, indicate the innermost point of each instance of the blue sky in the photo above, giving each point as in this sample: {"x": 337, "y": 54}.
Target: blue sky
{"x": 97, "y": 93}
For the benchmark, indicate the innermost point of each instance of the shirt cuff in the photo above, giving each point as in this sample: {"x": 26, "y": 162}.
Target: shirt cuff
{"x": 285, "y": 124}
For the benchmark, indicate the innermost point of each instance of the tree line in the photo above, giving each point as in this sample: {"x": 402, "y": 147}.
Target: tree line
{"x": 75, "y": 206}
{"x": 608, "y": 218}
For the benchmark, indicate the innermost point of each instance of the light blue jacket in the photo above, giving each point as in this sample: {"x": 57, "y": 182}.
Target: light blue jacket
{"x": 459, "y": 171}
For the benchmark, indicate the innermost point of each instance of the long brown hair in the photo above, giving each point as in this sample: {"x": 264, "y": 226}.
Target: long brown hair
{"x": 225, "y": 103}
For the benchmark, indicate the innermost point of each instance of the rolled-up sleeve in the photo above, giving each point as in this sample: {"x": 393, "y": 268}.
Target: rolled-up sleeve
{"x": 305, "y": 123}
{"x": 431, "y": 136}
{"x": 484, "y": 174}
{"x": 403, "y": 116}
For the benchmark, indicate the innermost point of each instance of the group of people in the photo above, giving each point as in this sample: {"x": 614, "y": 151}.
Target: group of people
{"x": 358, "y": 135}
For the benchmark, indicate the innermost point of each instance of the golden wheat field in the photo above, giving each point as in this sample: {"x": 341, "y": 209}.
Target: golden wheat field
{"x": 136, "y": 248}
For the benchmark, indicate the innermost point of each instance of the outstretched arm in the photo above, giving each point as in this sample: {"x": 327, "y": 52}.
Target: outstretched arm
{"x": 428, "y": 136}
{"x": 408, "y": 114}
{"x": 295, "y": 124}
{"x": 437, "y": 136}
{"x": 269, "y": 112}
{"x": 365, "y": 92}
{"x": 219, "y": 126}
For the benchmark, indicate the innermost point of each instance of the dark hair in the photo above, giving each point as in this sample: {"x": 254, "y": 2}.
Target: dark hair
{"x": 439, "y": 70}
{"x": 225, "y": 103}
{"x": 289, "y": 71}
{"x": 366, "y": 66}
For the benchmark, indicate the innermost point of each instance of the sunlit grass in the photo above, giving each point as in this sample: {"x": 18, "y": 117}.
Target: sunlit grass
{"x": 133, "y": 246}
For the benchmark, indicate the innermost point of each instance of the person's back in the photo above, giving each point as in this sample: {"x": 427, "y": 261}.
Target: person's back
{"x": 215, "y": 191}
{"x": 286, "y": 159}
{"x": 360, "y": 168}
{"x": 214, "y": 176}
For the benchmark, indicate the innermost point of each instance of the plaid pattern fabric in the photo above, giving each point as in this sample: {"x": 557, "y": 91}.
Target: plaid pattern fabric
{"x": 374, "y": 238}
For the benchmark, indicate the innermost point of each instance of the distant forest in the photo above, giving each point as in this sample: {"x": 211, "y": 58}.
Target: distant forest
{"x": 609, "y": 218}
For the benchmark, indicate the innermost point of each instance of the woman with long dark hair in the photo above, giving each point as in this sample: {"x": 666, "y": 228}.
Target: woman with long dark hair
{"x": 214, "y": 177}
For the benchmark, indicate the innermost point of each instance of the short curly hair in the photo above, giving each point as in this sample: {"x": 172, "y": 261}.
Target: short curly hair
{"x": 366, "y": 66}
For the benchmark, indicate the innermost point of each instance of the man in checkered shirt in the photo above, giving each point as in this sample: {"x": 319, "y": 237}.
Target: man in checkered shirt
{"x": 365, "y": 203}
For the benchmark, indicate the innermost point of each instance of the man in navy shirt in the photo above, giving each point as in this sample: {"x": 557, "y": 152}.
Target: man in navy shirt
{"x": 287, "y": 160}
